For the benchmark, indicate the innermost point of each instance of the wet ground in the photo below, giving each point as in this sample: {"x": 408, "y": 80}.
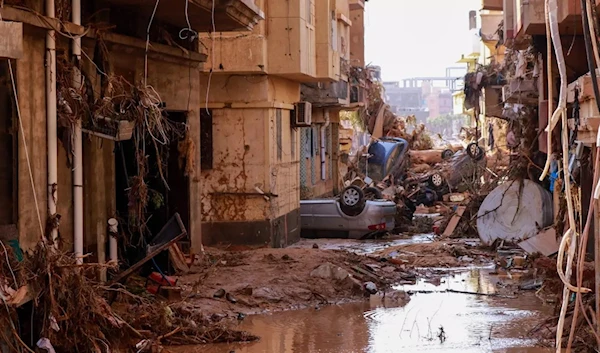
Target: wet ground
{"x": 434, "y": 320}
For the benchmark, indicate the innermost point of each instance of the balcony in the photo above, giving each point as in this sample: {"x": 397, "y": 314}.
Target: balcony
{"x": 492, "y": 5}
{"x": 229, "y": 15}
{"x": 326, "y": 94}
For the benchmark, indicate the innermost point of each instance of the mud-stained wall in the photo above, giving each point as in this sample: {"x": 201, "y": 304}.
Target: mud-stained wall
{"x": 32, "y": 103}
{"x": 254, "y": 145}
{"x": 176, "y": 83}
{"x": 238, "y": 167}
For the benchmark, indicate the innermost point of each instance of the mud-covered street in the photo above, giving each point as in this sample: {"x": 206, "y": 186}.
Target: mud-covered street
{"x": 451, "y": 298}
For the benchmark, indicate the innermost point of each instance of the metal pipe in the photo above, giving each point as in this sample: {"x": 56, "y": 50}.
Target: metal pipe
{"x": 113, "y": 230}
{"x": 51, "y": 120}
{"x": 78, "y": 151}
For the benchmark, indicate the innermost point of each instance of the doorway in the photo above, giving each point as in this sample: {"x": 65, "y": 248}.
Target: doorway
{"x": 166, "y": 184}
{"x": 8, "y": 157}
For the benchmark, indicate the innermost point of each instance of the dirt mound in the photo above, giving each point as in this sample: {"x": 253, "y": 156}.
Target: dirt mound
{"x": 278, "y": 279}
{"x": 435, "y": 254}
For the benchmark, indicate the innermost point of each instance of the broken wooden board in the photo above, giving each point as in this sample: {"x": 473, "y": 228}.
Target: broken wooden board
{"x": 544, "y": 243}
{"x": 178, "y": 259}
{"x": 460, "y": 210}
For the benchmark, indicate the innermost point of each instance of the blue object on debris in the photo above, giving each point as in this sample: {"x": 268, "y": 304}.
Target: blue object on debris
{"x": 553, "y": 174}
{"x": 14, "y": 244}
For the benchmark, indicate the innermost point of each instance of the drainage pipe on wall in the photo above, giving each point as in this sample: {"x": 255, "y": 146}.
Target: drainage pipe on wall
{"x": 51, "y": 120}
{"x": 78, "y": 148}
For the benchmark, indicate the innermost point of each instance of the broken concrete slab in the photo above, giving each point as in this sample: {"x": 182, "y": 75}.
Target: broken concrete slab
{"x": 544, "y": 242}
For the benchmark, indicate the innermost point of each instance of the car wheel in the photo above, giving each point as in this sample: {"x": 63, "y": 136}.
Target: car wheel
{"x": 352, "y": 196}
{"x": 372, "y": 193}
{"x": 436, "y": 180}
{"x": 447, "y": 154}
{"x": 474, "y": 151}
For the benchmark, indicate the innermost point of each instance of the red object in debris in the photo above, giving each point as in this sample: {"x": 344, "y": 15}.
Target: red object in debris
{"x": 377, "y": 226}
{"x": 436, "y": 230}
{"x": 162, "y": 280}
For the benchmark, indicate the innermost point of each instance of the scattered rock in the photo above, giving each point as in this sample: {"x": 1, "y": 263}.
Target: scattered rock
{"x": 286, "y": 257}
{"x": 270, "y": 257}
{"x": 217, "y": 317}
{"x": 330, "y": 271}
{"x": 315, "y": 246}
{"x": 219, "y": 293}
{"x": 241, "y": 316}
{"x": 230, "y": 298}
{"x": 466, "y": 259}
{"x": 267, "y": 294}
{"x": 370, "y": 287}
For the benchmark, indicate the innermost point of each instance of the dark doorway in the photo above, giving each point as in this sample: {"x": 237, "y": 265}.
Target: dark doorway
{"x": 167, "y": 185}
{"x": 8, "y": 158}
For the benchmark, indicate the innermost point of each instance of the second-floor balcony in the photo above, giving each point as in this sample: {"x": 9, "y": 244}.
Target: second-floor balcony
{"x": 228, "y": 15}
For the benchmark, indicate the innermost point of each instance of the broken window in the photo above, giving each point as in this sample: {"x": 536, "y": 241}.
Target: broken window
{"x": 206, "y": 140}
{"x": 279, "y": 132}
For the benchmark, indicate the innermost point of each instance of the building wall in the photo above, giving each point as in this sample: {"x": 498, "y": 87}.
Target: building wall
{"x": 254, "y": 149}
{"x": 171, "y": 80}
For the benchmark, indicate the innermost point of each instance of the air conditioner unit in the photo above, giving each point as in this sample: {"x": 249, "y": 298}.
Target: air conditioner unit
{"x": 302, "y": 114}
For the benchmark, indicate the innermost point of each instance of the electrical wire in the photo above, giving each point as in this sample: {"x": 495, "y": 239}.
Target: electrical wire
{"x": 593, "y": 59}
{"x": 148, "y": 42}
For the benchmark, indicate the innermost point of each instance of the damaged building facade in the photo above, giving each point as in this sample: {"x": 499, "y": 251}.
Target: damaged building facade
{"x": 272, "y": 99}
{"x": 105, "y": 121}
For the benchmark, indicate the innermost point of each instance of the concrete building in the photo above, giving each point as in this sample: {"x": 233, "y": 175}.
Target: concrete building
{"x": 71, "y": 187}
{"x": 253, "y": 88}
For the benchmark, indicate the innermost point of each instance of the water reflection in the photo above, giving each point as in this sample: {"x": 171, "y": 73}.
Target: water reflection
{"x": 470, "y": 324}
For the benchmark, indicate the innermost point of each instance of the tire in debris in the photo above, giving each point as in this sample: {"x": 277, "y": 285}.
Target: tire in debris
{"x": 475, "y": 151}
{"x": 447, "y": 154}
{"x": 373, "y": 193}
{"x": 436, "y": 180}
{"x": 514, "y": 211}
{"x": 352, "y": 200}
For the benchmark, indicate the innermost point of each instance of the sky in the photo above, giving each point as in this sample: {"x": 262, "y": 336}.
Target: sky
{"x": 410, "y": 38}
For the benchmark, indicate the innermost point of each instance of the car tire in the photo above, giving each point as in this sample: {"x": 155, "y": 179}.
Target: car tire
{"x": 374, "y": 192}
{"x": 352, "y": 201}
{"x": 447, "y": 154}
{"x": 352, "y": 196}
{"x": 475, "y": 151}
{"x": 436, "y": 180}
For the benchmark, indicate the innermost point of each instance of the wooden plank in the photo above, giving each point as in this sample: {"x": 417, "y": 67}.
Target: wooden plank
{"x": 178, "y": 259}
{"x": 454, "y": 221}
{"x": 366, "y": 273}
{"x": 11, "y": 40}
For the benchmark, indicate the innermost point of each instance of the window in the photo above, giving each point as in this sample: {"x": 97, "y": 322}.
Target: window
{"x": 206, "y": 140}
{"x": 293, "y": 142}
{"x": 310, "y": 12}
{"x": 279, "y": 132}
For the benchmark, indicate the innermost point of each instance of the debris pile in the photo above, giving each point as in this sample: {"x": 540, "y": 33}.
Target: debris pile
{"x": 73, "y": 313}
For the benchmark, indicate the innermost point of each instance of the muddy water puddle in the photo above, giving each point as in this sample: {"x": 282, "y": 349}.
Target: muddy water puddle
{"x": 439, "y": 321}
{"x": 363, "y": 247}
